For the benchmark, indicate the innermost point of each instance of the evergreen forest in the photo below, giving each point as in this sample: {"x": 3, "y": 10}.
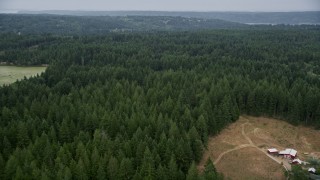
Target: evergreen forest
{"x": 141, "y": 105}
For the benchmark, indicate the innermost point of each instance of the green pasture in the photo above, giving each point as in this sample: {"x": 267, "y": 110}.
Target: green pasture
{"x": 9, "y": 74}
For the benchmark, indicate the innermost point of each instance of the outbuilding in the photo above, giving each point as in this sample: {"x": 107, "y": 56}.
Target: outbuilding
{"x": 312, "y": 170}
{"x": 296, "y": 161}
{"x": 289, "y": 153}
{"x": 273, "y": 151}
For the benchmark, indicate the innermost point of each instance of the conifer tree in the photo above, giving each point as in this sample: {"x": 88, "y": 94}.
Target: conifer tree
{"x": 81, "y": 171}
{"x": 147, "y": 168}
{"x": 172, "y": 169}
{"x": 11, "y": 166}
{"x": 126, "y": 170}
{"x": 210, "y": 171}
{"x": 22, "y": 135}
{"x": 113, "y": 168}
{"x": 192, "y": 172}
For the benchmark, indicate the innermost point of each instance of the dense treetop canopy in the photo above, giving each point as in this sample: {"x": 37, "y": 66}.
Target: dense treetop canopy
{"x": 142, "y": 105}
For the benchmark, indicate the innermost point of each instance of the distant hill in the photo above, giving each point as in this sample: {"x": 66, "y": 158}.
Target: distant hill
{"x": 62, "y": 24}
{"x": 308, "y": 17}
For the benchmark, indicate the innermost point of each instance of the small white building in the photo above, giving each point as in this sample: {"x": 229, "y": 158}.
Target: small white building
{"x": 312, "y": 170}
{"x": 296, "y": 161}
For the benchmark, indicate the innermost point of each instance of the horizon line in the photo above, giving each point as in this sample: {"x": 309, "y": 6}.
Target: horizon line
{"x": 205, "y": 11}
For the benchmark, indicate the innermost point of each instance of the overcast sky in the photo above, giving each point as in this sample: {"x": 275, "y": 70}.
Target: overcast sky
{"x": 164, "y": 5}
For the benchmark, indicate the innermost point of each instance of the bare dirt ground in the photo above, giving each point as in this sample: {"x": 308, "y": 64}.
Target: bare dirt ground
{"x": 240, "y": 150}
{"x": 246, "y": 164}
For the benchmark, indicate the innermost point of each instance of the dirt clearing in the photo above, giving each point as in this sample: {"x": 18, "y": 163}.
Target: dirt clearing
{"x": 239, "y": 151}
{"x": 249, "y": 163}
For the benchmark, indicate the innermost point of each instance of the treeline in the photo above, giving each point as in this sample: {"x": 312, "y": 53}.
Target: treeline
{"x": 141, "y": 106}
{"x": 310, "y": 17}
{"x": 93, "y": 25}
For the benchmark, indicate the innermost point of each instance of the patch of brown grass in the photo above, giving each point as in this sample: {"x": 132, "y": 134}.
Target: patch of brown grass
{"x": 310, "y": 137}
{"x": 232, "y": 134}
{"x": 249, "y": 163}
{"x": 282, "y": 134}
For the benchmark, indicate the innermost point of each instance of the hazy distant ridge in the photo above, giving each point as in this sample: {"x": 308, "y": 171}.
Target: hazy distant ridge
{"x": 308, "y": 17}
{"x": 62, "y": 24}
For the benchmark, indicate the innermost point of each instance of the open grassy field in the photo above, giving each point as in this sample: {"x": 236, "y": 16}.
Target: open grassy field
{"x": 9, "y": 74}
{"x": 240, "y": 150}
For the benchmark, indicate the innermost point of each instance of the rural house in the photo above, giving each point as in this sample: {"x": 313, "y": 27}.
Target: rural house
{"x": 289, "y": 153}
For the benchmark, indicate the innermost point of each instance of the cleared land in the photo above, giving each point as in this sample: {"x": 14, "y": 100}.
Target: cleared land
{"x": 9, "y": 74}
{"x": 239, "y": 151}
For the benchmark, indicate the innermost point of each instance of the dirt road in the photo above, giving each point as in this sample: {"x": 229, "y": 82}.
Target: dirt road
{"x": 284, "y": 163}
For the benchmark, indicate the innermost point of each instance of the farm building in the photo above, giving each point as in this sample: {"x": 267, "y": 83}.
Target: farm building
{"x": 296, "y": 161}
{"x": 273, "y": 151}
{"x": 288, "y": 153}
{"x": 312, "y": 170}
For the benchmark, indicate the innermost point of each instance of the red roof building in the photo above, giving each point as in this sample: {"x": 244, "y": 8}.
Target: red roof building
{"x": 273, "y": 151}
{"x": 289, "y": 153}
